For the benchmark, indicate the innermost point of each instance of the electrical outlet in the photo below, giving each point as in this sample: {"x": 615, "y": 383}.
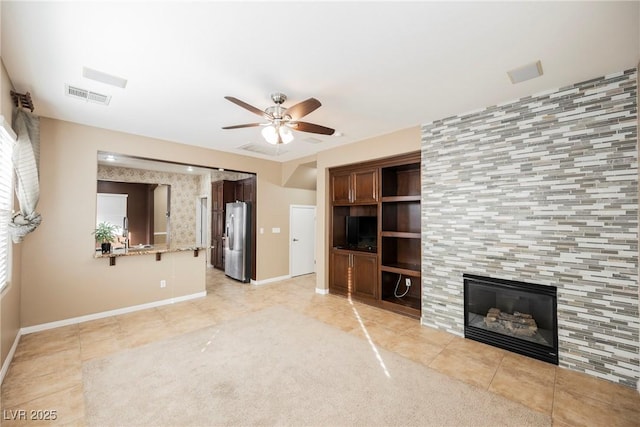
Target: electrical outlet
{"x": 407, "y": 282}
{"x": 163, "y": 283}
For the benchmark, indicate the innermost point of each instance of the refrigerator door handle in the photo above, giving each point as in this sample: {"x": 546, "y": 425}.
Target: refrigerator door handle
{"x": 230, "y": 232}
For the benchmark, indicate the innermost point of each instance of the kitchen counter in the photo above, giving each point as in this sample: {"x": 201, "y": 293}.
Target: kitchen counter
{"x": 157, "y": 251}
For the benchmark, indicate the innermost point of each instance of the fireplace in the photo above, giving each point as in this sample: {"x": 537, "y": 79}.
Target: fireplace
{"x": 516, "y": 316}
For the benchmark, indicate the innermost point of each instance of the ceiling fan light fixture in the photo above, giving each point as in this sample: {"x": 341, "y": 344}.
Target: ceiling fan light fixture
{"x": 281, "y": 120}
{"x": 270, "y": 134}
{"x": 286, "y": 134}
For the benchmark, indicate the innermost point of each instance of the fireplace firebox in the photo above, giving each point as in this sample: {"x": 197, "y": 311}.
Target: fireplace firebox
{"x": 516, "y": 316}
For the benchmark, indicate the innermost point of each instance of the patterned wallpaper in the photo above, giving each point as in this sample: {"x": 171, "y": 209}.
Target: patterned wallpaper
{"x": 544, "y": 190}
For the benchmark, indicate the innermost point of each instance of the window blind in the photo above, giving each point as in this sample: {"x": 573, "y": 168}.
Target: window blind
{"x": 7, "y": 140}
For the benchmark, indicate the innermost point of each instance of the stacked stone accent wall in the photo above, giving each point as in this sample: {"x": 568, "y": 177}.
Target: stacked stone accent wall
{"x": 542, "y": 190}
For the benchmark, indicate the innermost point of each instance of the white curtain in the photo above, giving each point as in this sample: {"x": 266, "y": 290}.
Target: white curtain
{"x": 26, "y": 156}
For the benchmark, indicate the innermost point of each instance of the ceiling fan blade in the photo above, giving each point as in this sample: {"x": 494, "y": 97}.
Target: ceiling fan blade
{"x": 313, "y": 128}
{"x": 249, "y": 107}
{"x": 303, "y": 108}
{"x": 248, "y": 125}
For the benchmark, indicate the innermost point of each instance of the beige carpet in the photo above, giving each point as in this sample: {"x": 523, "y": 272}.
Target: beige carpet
{"x": 278, "y": 367}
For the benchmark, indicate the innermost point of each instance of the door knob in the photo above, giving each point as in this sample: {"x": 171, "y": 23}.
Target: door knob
{"x": 295, "y": 240}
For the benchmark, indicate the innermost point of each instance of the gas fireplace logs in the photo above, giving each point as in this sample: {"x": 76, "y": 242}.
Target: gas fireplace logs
{"x": 516, "y": 323}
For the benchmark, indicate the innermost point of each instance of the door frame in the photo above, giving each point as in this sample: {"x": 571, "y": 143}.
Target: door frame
{"x": 315, "y": 237}
{"x": 200, "y": 221}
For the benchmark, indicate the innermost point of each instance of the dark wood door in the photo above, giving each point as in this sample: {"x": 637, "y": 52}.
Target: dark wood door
{"x": 365, "y": 186}
{"x": 341, "y": 188}
{"x": 217, "y": 249}
{"x": 365, "y": 275}
{"x": 249, "y": 193}
{"x": 216, "y": 196}
{"x": 340, "y": 272}
{"x": 222, "y": 192}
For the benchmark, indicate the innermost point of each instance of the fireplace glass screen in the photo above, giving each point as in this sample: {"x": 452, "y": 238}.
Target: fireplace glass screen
{"x": 517, "y": 316}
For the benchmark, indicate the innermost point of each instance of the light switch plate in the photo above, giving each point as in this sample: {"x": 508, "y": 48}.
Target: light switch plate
{"x": 275, "y": 230}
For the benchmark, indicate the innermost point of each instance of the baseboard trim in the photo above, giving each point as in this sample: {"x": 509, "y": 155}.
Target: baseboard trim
{"x": 322, "y": 291}
{"x": 271, "y": 280}
{"x": 101, "y": 315}
{"x": 7, "y": 361}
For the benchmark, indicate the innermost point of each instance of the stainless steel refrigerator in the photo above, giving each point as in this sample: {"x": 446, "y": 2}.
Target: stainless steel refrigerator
{"x": 237, "y": 247}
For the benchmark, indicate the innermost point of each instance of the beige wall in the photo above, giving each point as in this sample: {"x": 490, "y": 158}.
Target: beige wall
{"x": 10, "y": 297}
{"x": 403, "y": 141}
{"x": 300, "y": 173}
{"x": 273, "y": 211}
{"x": 60, "y": 277}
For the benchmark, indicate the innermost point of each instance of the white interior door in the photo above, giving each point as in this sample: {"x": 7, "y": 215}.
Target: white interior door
{"x": 302, "y": 244}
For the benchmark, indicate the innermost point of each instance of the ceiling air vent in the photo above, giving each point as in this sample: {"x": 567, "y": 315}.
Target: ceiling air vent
{"x": 268, "y": 150}
{"x": 86, "y": 95}
{"x": 312, "y": 140}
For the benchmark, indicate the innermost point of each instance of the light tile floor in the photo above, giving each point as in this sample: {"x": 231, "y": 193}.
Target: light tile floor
{"x": 46, "y": 372}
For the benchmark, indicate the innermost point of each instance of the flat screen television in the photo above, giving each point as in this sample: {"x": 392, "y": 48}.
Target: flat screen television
{"x": 362, "y": 232}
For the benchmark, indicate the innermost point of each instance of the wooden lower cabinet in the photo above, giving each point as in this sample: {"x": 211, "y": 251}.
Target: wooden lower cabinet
{"x": 354, "y": 273}
{"x": 340, "y": 271}
{"x": 365, "y": 273}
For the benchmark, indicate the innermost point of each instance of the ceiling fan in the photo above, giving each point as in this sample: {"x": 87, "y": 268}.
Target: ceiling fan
{"x": 282, "y": 120}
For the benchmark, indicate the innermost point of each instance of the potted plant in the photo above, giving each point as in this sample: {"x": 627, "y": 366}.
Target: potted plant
{"x": 105, "y": 234}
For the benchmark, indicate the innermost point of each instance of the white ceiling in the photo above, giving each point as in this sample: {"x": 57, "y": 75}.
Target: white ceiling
{"x": 376, "y": 67}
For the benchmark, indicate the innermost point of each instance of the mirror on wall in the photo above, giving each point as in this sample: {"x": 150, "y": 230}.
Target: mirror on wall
{"x": 155, "y": 204}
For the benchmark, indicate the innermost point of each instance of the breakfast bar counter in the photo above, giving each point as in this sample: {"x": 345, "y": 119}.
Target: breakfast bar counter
{"x": 144, "y": 250}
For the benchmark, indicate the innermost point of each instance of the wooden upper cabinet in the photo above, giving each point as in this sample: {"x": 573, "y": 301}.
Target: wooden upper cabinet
{"x": 354, "y": 187}
{"x": 365, "y": 186}
{"x": 222, "y": 192}
{"x": 249, "y": 189}
{"x": 341, "y": 187}
{"x": 239, "y": 191}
